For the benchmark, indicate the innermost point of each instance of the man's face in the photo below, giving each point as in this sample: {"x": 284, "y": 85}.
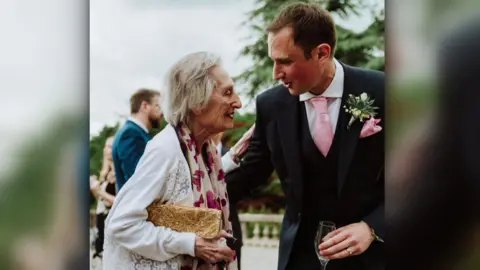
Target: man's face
{"x": 217, "y": 115}
{"x": 298, "y": 74}
{"x": 155, "y": 112}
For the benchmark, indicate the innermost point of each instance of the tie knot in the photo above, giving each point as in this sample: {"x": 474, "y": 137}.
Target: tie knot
{"x": 320, "y": 104}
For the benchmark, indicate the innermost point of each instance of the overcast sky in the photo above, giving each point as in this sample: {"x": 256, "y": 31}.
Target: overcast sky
{"x": 134, "y": 42}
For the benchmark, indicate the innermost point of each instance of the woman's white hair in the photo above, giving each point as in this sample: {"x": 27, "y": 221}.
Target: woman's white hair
{"x": 189, "y": 85}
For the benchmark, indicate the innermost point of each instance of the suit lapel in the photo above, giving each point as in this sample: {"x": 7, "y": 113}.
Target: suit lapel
{"x": 348, "y": 138}
{"x": 288, "y": 128}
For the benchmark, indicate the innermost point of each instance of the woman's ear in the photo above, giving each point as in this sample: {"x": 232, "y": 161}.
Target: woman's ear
{"x": 197, "y": 111}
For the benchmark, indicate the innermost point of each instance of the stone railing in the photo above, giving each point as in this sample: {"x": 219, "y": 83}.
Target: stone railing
{"x": 266, "y": 229}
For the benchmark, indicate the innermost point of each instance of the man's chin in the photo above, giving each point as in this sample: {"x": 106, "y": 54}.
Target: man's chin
{"x": 155, "y": 124}
{"x": 294, "y": 92}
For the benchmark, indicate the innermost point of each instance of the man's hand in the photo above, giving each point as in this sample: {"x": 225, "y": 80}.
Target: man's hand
{"x": 213, "y": 251}
{"x": 241, "y": 146}
{"x": 347, "y": 241}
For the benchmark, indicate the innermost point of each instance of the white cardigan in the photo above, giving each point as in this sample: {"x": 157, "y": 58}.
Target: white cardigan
{"x": 162, "y": 173}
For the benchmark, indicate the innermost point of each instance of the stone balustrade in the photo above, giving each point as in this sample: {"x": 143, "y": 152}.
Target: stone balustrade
{"x": 266, "y": 229}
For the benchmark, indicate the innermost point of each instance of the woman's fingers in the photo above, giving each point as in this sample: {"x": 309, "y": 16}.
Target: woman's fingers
{"x": 224, "y": 234}
{"x": 225, "y": 254}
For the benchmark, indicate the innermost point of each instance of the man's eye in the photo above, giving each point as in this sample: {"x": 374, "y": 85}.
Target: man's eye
{"x": 285, "y": 62}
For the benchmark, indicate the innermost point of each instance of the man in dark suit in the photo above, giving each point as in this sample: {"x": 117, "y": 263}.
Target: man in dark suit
{"x": 132, "y": 137}
{"x": 330, "y": 160}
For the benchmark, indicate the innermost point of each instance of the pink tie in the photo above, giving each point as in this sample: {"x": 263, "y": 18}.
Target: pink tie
{"x": 323, "y": 134}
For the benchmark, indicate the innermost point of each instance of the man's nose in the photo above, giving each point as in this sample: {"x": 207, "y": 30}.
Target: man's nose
{"x": 277, "y": 72}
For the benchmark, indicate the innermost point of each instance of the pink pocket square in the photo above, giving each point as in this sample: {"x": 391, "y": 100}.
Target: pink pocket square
{"x": 370, "y": 127}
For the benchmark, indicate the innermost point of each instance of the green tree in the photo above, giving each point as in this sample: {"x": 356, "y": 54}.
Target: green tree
{"x": 357, "y": 49}
{"x": 28, "y": 191}
{"x": 97, "y": 143}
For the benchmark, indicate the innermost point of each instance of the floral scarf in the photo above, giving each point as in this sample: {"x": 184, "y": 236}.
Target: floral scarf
{"x": 209, "y": 189}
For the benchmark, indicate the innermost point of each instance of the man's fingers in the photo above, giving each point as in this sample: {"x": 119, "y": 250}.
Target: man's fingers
{"x": 331, "y": 234}
{"x": 338, "y": 247}
{"x": 341, "y": 236}
{"x": 342, "y": 254}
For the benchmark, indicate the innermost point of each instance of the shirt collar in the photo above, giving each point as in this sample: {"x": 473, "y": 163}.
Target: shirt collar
{"x": 138, "y": 123}
{"x": 335, "y": 89}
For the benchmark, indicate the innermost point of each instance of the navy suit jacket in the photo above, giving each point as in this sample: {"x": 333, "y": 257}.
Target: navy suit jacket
{"x": 128, "y": 147}
{"x": 360, "y": 180}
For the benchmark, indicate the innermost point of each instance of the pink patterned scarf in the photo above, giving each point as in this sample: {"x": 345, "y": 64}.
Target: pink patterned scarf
{"x": 209, "y": 189}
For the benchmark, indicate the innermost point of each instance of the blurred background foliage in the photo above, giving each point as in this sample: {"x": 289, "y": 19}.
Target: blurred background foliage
{"x": 30, "y": 192}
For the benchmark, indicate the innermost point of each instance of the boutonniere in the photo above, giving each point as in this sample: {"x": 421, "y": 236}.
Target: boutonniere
{"x": 360, "y": 107}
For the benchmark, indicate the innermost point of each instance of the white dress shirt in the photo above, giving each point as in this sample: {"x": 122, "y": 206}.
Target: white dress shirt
{"x": 334, "y": 91}
{"x": 140, "y": 124}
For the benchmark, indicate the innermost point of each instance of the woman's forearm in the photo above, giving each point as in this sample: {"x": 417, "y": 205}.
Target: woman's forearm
{"x": 107, "y": 197}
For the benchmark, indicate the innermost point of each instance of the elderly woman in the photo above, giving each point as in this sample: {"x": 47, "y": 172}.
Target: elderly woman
{"x": 179, "y": 166}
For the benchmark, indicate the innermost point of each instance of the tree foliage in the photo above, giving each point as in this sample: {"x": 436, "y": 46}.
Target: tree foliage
{"x": 29, "y": 191}
{"x": 357, "y": 49}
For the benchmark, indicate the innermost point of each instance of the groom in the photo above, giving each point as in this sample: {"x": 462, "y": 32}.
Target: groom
{"x": 329, "y": 170}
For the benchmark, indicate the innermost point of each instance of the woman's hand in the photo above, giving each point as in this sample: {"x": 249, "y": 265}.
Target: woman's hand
{"x": 213, "y": 250}
{"x": 94, "y": 185}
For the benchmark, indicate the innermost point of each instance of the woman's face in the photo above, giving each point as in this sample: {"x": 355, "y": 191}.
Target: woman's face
{"x": 107, "y": 151}
{"x": 217, "y": 115}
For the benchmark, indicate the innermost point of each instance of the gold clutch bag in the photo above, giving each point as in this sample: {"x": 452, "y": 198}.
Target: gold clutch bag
{"x": 204, "y": 222}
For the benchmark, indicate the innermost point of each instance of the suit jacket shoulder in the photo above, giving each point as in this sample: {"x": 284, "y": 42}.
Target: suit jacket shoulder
{"x": 129, "y": 129}
{"x": 372, "y": 80}
{"x": 272, "y": 100}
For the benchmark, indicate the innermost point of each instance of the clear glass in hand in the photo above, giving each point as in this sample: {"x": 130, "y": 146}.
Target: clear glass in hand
{"x": 324, "y": 228}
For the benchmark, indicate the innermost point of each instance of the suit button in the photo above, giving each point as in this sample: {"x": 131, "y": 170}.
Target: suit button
{"x": 299, "y": 215}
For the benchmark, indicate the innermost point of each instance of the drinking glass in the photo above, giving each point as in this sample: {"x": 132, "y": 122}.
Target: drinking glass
{"x": 324, "y": 228}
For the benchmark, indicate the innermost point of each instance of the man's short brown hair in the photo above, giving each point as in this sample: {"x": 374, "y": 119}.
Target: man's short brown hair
{"x": 141, "y": 95}
{"x": 312, "y": 25}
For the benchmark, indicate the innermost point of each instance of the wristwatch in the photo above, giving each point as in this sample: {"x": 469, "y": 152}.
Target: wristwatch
{"x": 375, "y": 236}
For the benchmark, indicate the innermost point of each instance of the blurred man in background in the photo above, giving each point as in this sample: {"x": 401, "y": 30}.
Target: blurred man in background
{"x": 132, "y": 137}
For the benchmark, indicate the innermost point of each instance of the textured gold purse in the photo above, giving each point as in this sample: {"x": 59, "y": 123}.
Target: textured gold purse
{"x": 204, "y": 222}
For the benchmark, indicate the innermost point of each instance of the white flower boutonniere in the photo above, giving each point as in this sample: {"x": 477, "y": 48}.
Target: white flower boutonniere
{"x": 359, "y": 107}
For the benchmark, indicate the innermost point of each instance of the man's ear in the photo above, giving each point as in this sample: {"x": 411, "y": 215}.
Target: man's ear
{"x": 323, "y": 51}
{"x": 144, "y": 105}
